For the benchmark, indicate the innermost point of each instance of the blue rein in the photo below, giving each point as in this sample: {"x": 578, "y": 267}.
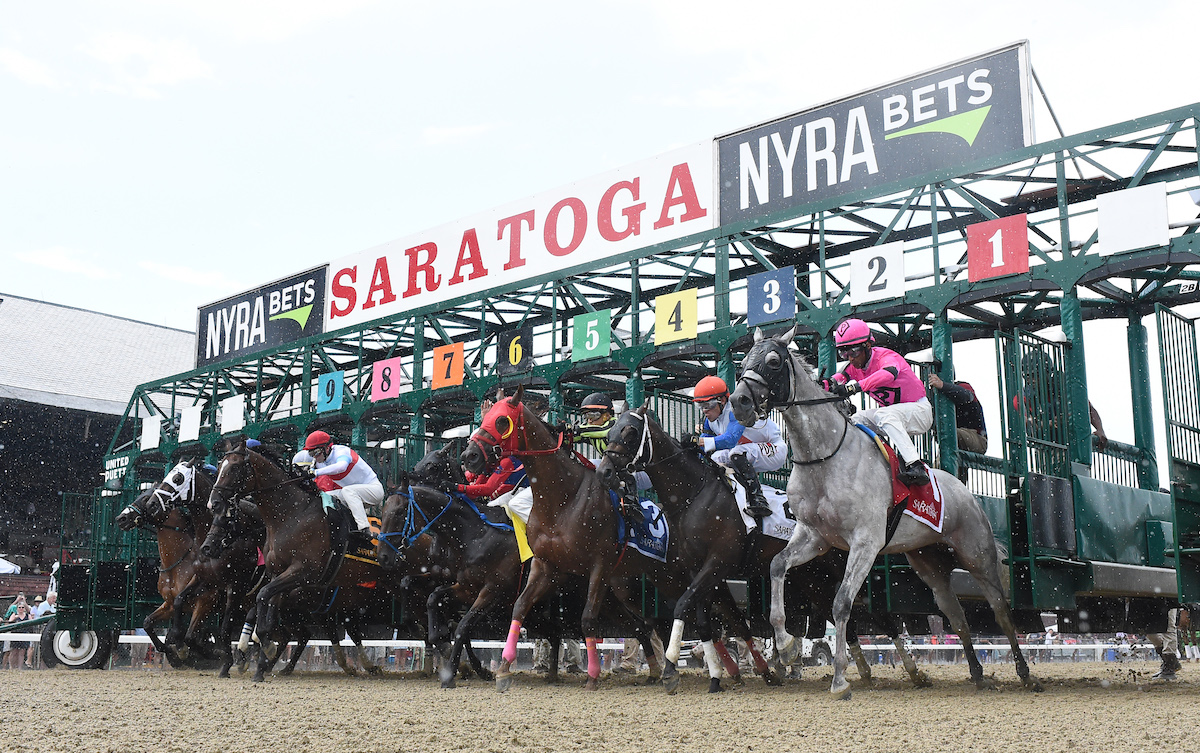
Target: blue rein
{"x": 410, "y": 520}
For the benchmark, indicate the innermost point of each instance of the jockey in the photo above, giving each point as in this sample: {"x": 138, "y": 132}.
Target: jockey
{"x": 509, "y": 475}
{"x": 354, "y": 483}
{"x": 599, "y": 417}
{"x": 903, "y": 410}
{"x": 748, "y": 450}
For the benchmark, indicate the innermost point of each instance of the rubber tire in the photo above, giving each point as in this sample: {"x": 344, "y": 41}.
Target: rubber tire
{"x": 821, "y": 656}
{"x": 93, "y": 652}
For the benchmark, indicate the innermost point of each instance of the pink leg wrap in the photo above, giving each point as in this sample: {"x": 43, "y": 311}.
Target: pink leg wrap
{"x": 510, "y": 648}
{"x": 759, "y": 661}
{"x": 593, "y": 657}
{"x": 730, "y": 666}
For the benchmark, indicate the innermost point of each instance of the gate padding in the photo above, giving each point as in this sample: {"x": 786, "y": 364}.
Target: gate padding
{"x": 1112, "y": 521}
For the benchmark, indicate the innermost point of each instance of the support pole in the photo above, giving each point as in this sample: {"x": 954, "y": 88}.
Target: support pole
{"x": 635, "y": 390}
{"x": 1079, "y": 425}
{"x": 1143, "y": 415}
{"x": 944, "y": 420}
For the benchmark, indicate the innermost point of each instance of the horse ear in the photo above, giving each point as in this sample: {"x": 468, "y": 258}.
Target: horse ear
{"x": 645, "y": 407}
{"x": 515, "y": 400}
{"x": 787, "y": 337}
{"x": 758, "y": 335}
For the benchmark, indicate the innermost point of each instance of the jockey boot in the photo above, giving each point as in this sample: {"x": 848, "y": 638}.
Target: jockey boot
{"x": 631, "y": 506}
{"x": 361, "y": 539}
{"x": 756, "y": 502}
{"x": 913, "y": 474}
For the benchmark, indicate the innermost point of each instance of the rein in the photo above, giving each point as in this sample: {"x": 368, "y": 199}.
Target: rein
{"x": 755, "y": 378}
{"x": 182, "y": 557}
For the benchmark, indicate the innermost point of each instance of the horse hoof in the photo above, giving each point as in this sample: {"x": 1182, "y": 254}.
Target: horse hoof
{"x": 257, "y": 678}
{"x": 351, "y": 671}
{"x": 223, "y": 674}
{"x": 1033, "y": 686}
{"x": 985, "y": 683}
{"x": 737, "y": 681}
{"x": 714, "y": 685}
{"x": 592, "y": 684}
{"x": 840, "y": 693}
{"x": 448, "y": 684}
{"x": 486, "y": 674}
{"x": 374, "y": 671}
{"x": 671, "y": 683}
{"x": 286, "y": 671}
{"x": 504, "y": 682}
{"x": 789, "y": 652}
{"x": 772, "y": 679}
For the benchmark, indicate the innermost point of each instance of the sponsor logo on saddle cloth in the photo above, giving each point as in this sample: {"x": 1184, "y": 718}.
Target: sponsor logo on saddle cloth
{"x": 652, "y": 536}
{"x": 356, "y": 550}
{"x": 924, "y": 503}
{"x": 779, "y": 524}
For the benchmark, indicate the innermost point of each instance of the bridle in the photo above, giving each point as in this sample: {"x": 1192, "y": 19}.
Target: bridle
{"x": 645, "y": 446}
{"x": 495, "y": 448}
{"x": 773, "y": 396}
{"x": 166, "y": 493}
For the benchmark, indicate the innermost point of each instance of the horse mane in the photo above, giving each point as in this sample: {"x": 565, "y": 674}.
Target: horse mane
{"x": 275, "y": 455}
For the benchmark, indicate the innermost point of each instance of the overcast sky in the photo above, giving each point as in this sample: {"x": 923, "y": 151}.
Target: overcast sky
{"x": 157, "y": 156}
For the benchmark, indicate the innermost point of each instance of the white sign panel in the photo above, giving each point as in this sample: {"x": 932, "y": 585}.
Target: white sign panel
{"x": 233, "y": 414}
{"x": 661, "y": 199}
{"x": 189, "y": 423}
{"x": 1131, "y": 219}
{"x": 150, "y": 432}
{"x": 877, "y": 273}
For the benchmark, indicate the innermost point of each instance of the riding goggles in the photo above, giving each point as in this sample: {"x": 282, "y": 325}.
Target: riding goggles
{"x": 851, "y": 351}
{"x": 711, "y": 404}
{"x": 593, "y": 416}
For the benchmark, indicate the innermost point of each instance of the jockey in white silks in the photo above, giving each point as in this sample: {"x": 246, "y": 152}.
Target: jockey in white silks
{"x": 341, "y": 472}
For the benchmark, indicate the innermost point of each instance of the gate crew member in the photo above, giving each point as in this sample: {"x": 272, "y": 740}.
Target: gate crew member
{"x": 748, "y": 450}
{"x": 903, "y": 410}
{"x": 356, "y": 485}
{"x": 599, "y": 417}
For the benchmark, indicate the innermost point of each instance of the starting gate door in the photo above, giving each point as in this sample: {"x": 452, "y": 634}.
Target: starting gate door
{"x": 1181, "y": 404}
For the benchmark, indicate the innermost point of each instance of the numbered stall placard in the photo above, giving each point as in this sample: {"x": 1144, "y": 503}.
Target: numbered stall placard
{"x": 877, "y": 273}
{"x": 386, "y": 377}
{"x": 189, "y": 423}
{"x": 771, "y": 296}
{"x": 448, "y": 362}
{"x": 591, "y": 336}
{"x": 233, "y": 414}
{"x": 675, "y": 316}
{"x": 514, "y": 351}
{"x": 151, "y": 427}
{"x": 331, "y": 388}
{"x": 998, "y": 247}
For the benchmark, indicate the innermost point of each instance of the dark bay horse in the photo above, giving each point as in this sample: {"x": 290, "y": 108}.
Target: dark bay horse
{"x": 711, "y": 541}
{"x": 571, "y": 528}
{"x": 191, "y": 584}
{"x": 298, "y": 548}
{"x": 840, "y": 490}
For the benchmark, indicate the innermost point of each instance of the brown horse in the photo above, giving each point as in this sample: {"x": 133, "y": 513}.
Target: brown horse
{"x": 298, "y": 547}
{"x": 190, "y": 584}
{"x": 571, "y": 529}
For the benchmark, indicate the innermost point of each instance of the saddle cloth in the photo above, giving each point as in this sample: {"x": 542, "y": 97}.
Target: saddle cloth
{"x": 652, "y": 536}
{"x": 780, "y": 524}
{"x": 922, "y": 503}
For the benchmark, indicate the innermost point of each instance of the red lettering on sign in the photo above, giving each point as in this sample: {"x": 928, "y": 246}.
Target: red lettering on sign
{"x": 633, "y": 214}
{"x": 681, "y": 181}
{"x": 432, "y": 281}
{"x": 343, "y": 292}
{"x": 381, "y": 282}
{"x": 514, "y": 238}
{"x": 550, "y": 232}
{"x": 468, "y": 253}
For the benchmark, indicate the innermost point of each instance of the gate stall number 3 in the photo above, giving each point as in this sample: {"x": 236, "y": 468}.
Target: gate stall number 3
{"x": 771, "y": 296}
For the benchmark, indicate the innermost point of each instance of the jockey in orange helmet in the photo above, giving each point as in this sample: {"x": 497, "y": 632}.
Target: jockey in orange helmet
{"x": 748, "y": 450}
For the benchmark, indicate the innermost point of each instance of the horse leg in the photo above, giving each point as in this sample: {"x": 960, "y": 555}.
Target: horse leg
{"x": 934, "y": 566}
{"x": 297, "y": 652}
{"x": 439, "y": 629}
{"x": 643, "y": 630}
{"x": 541, "y": 580}
{"x": 858, "y": 566}
{"x": 556, "y": 642}
{"x": 481, "y": 671}
{"x": 985, "y": 568}
{"x": 597, "y": 589}
{"x": 204, "y": 604}
{"x": 715, "y": 653}
{"x": 364, "y": 659}
{"x": 226, "y": 639}
{"x": 483, "y": 601}
{"x": 804, "y": 545}
{"x": 919, "y": 678}
{"x": 703, "y": 583}
{"x": 724, "y": 601}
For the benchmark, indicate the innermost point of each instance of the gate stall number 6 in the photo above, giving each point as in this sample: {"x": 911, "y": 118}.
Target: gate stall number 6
{"x": 515, "y": 351}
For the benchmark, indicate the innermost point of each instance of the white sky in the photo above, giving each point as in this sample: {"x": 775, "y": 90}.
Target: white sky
{"x": 157, "y": 156}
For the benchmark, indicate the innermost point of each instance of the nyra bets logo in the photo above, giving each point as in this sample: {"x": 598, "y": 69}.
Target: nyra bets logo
{"x": 275, "y": 314}
{"x": 954, "y": 116}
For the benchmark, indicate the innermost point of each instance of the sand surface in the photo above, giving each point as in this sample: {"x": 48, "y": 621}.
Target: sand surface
{"x": 1110, "y": 707}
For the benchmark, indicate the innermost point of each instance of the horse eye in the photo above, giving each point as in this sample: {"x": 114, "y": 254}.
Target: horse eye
{"x": 773, "y": 360}
{"x": 503, "y": 425}
{"x": 177, "y": 478}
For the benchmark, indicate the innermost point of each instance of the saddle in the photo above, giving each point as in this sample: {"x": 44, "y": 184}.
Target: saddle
{"x": 344, "y": 540}
{"x": 922, "y": 502}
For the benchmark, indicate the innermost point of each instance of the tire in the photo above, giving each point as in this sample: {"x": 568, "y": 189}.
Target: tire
{"x": 821, "y": 655}
{"x": 92, "y": 653}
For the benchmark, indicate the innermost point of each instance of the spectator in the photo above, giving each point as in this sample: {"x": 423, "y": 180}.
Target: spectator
{"x": 12, "y": 608}
{"x": 632, "y": 655}
{"x": 968, "y": 417}
{"x": 1043, "y": 384}
{"x": 18, "y": 656}
{"x": 49, "y": 606}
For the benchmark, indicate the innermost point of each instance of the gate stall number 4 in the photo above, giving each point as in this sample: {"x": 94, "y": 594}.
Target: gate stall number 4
{"x": 675, "y": 316}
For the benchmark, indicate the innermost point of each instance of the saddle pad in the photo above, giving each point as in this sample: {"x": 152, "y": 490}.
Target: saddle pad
{"x": 779, "y": 524}
{"x": 652, "y": 536}
{"x": 922, "y": 503}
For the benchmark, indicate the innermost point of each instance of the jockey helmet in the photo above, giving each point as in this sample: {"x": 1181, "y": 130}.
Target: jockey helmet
{"x": 597, "y": 401}
{"x": 852, "y": 332}
{"x": 317, "y": 439}
{"x": 710, "y": 388}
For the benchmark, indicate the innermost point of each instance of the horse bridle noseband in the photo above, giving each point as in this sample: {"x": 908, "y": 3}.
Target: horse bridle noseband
{"x": 646, "y": 443}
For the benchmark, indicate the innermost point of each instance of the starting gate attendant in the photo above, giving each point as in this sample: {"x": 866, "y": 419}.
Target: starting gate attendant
{"x": 903, "y": 410}
{"x": 357, "y": 485}
{"x": 748, "y": 450}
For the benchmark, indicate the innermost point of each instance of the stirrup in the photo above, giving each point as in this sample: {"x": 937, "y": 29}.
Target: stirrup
{"x": 758, "y": 510}
{"x": 913, "y": 474}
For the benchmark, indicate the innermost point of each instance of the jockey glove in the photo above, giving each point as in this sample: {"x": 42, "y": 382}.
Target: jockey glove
{"x": 844, "y": 390}
{"x": 689, "y": 440}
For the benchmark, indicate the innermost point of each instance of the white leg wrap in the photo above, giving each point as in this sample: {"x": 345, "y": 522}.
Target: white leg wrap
{"x": 712, "y": 660}
{"x": 676, "y": 639}
{"x": 244, "y": 641}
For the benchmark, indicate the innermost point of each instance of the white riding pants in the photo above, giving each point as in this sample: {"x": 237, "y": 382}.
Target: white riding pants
{"x": 765, "y": 456}
{"x": 899, "y": 422}
{"x": 356, "y": 497}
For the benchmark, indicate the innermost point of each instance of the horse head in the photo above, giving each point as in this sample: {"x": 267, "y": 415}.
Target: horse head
{"x": 630, "y": 445}
{"x": 439, "y": 466}
{"x": 771, "y": 377}
{"x": 497, "y": 434}
{"x": 236, "y": 478}
{"x": 179, "y": 489}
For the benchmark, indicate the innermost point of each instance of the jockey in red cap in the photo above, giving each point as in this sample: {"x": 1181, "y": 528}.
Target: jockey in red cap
{"x": 353, "y": 481}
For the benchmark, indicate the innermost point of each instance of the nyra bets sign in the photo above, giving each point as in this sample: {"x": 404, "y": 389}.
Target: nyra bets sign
{"x": 938, "y": 120}
{"x": 661, "y": 199}
{"x": 276, "y": 314}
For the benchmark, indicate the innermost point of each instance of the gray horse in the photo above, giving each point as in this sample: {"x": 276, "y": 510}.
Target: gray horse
{"x": 840, "y": 490}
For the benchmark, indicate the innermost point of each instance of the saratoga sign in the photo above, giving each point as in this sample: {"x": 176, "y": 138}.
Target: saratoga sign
{"x": 649, "y": 202}
{"x": 933, "y": 121}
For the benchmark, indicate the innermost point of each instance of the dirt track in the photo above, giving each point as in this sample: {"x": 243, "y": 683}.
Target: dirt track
{"x": 1111, "y": 707}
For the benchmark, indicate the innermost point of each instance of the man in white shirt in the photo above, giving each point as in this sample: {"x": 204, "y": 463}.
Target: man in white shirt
{"x": 342, "y": 473}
